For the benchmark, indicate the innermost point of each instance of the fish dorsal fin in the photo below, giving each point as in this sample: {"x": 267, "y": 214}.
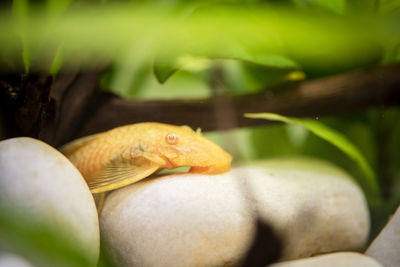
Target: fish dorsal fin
{"x": 123, "y": 170}
{"x": 74, "y": 145}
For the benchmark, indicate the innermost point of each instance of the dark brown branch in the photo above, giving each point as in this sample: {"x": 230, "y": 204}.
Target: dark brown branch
{"x": 375, "y": 87}
{"x": 73, "y": 106}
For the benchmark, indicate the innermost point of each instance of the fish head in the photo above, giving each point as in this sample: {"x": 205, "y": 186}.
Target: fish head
{"x": 180, "y": 146}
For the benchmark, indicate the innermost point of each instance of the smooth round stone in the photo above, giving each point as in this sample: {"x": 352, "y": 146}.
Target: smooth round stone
{"x": 340, "y": 259}
{"x": 386, "y": 246}
{"x": 178, "y": 220}
{"x": 314, "y": 206}
{"x": 209, "y": 220}
{"x": 39, "y": 182}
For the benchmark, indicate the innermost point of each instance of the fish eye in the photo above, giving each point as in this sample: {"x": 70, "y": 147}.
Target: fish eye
{"x": 172, "y": 138}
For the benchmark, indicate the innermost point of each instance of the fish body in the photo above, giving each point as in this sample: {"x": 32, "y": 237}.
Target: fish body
{"x": 127, "y": 154}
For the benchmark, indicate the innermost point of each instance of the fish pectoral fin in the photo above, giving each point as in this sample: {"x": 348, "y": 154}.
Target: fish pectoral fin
{"x": 123, "y": 171}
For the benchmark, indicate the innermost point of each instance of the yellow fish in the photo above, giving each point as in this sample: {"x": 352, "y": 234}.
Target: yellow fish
{"x": 127, "y": 154}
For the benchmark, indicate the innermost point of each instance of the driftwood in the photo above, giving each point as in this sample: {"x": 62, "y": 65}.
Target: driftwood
{"x": 76, "y": 107}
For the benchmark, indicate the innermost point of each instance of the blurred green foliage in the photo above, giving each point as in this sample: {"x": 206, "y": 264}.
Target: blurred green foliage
{"x": 257, "y": 45}
{"x": 37, "y": 241}
{"x": 318, "y": 37}
{"x": 335, "y": 138}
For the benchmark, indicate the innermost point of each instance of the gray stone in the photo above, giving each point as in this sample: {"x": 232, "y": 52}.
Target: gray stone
{"x": 386, "y": 246}
{"x": 178, "y": 220}
{"x": 313, "y": 205}
{"x": 40, "y": 183}
{"x": 339, "y": 259}
{"x": 209, "y": 220}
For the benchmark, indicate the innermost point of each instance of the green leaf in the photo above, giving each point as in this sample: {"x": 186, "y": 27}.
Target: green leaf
{"x": 130, "y": 72}
{"x": 42, "y": 244}
{"x": 57, "y": 7}
{"x": 389, "y": 6}
{"x": 264, "y": 34}
{"x": 238, "y": 51}
{"x": 57, "y": 62}
{"x": 337, "y": 6}
{"x": 20, "y": 10}
{"x": 163, "y": 71}
{"x": 332, "y": 136}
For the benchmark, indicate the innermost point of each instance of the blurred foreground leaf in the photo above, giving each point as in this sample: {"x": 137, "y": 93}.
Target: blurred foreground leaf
{"x": 389, "y": 6}
{"x": 262, "y": 34}
{"x": 20, "y": 16}
{"x": 337, "y": 6}
{"x": 335, "y": 138}
{"x": 163, "y": 71}
{"x": 38, "y": 242}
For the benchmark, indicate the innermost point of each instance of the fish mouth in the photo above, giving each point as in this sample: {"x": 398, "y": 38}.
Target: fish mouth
{"x": 199, "y": 169}
{"x": 171, "y": 168}
{"x": 177, "y": 170}
{"x": 214, "y": 169}
{"x": 184, "y": 170}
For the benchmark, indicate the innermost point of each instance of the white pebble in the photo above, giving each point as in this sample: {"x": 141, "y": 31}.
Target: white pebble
{"x": 314, "y": 206}
{"x": 179, "y": 220}
{"x": 339, "y": 259}
{"x": 39, "y": 182}
{"x": 209, "y": 220}
{"x": 386, "y": 246}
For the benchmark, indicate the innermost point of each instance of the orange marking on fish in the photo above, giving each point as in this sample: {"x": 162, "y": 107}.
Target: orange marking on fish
{"x": 127, "y": 154}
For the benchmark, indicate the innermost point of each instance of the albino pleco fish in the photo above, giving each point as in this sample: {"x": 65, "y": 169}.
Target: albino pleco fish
{"x": 127, "y": 154}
